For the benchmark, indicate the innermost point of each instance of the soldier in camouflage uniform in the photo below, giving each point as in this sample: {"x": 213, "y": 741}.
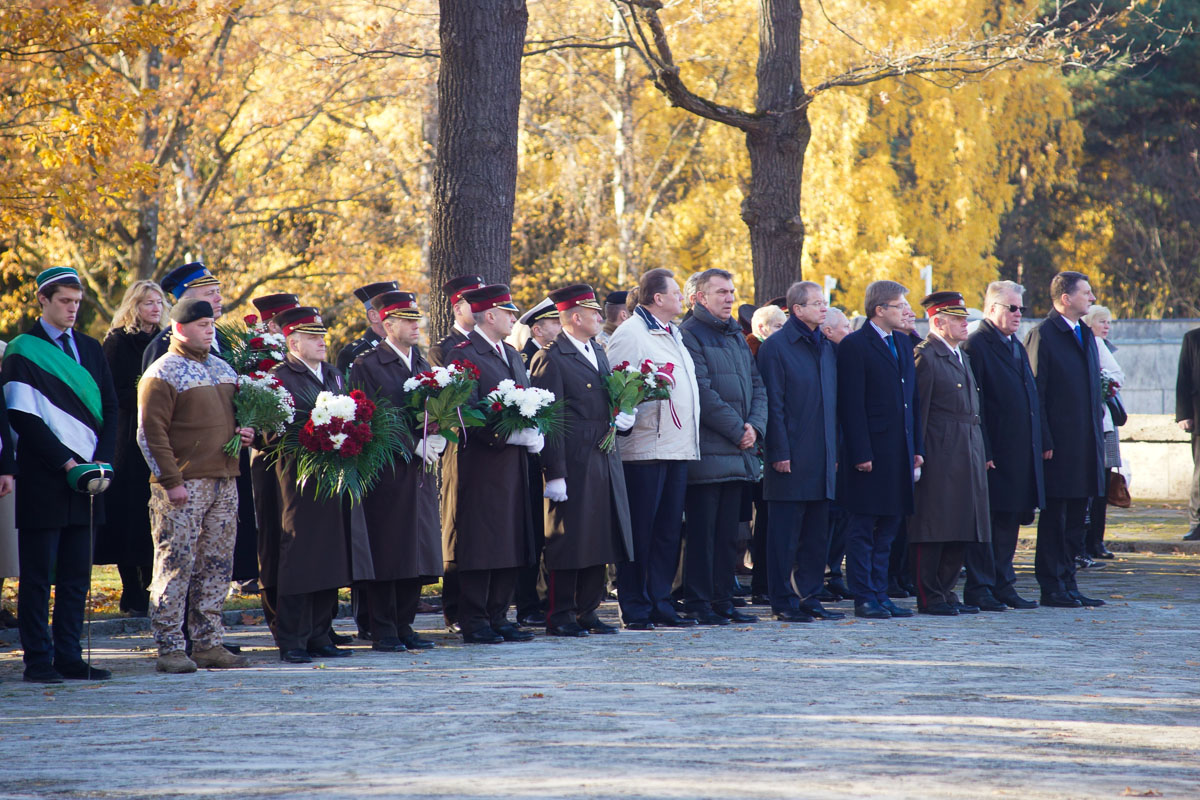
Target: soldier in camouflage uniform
{"x": 185, "y": 416}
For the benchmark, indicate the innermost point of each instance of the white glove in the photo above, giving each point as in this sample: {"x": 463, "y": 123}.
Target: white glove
{"x": 521, "y": 438}
{"x": 556, "y": 490}
{"x": 436, "y": 442}
{"x": 916, "y": 474}
{"x": 625, "y": 421}
{"x": 426, "y": 451}
{"x": 539, "y": 441}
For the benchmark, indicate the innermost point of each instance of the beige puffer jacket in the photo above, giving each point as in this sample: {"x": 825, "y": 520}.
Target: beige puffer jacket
{"x": 654, "y": 437}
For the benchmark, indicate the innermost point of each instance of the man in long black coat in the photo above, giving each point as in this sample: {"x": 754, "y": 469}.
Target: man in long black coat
{"x": 1187, "y": 414}
{"x": 62, "y": 406}
{"x": 799, "y": 371}
{"x": 878, "y": 412}
{"x": 1013, "y": 428}
{"x": 1062, "y": 354}
{"x": 374, "y": 334}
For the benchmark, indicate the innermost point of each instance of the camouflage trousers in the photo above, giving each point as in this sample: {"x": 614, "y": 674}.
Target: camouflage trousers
{"x": 193, "y": 561}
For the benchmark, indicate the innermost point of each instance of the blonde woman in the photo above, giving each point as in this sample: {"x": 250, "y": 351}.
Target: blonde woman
{"x": 124, "y": 539}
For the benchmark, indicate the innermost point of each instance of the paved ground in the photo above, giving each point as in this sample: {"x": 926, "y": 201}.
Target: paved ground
{"x": 1040, "y": 704}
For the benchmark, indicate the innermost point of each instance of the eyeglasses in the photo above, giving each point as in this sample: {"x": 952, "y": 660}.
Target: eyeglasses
{"x": 814, "y": 304}
{"x": 1013, "y": 309}
{"x": 903, "y": 306}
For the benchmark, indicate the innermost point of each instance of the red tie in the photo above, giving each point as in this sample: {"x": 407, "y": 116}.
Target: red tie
{"x": 500, "y": 352}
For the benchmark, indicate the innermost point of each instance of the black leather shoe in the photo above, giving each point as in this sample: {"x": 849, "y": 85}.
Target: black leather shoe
{"x": 330, "y": 651}
{"x": 737, "y": 616}
{"x": 389, "y": 644}
{"x": 1193, "y": 535}
{"x": 340, "y": 638}
{"x": 535, "y": 619}
{"x": 760, "y": 600}
{"x": 1084, "y": 600}
{"x": 42, "y": 673}
{"x": 511, "y": 633}
{"x": 871, "y": 610}
{"x": 570, "y": 629}
{"x": 986, "y": 602}
{"x": 818, "y": 611}
{"x": 483, "y": 636}
{"x": 1060, "y": 600}
{"x": 895, "y": 590}
{"x": 296, "y": 656}
{"x": 82, "y": 671}
{"x": 598, "y": 627}
{"x": 895, "y": 610}
{"x": 663, "y": 621}
{"x": 1101, "y": 551}
{"x": 1016, "y": 601}
{"x": 966, "y": 608}
{"x": 639, "y": 625}
{"x": 738, "y": 602}
{"x": 709, "y": 618}
{"x": 826, "y": 596}
{"x": 792, "y": 615}
{"x": 415, "y": 642}
{"x": 940, "y": 610}
{"x": 837, "y": 587}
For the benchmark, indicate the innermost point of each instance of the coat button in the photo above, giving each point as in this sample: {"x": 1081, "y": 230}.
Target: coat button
{"x": 960, "y": 385}
{"x": 589, "y": 386}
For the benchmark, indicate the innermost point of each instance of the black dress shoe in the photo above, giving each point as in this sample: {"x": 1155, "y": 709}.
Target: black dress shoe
{"x": 1016, "y": 601}
{"x": 818, "y": 611}
{"x": 82, "y": 671}
{"x": 871, "y": 610}
{"x": 836, "y": 586}
{"x": 1084, "y": 600}
{"x": 389, "y": 644}
{"x": 986, "y": 602}
{"x": 570, "y": 629}
{"x": 738, "y": 602}
{"x": 329, "y": 651}
{"x": 639, "y": 625}
{"x": 826, "y": 596}
{"x": 733, "y": 615}
{"x": 511, "y": 633}
{"x": 940, "y": 610}
{"x": 1060, "y": 600}
{"x": 534, "y": 619}
{"x": 1101, "y": 551}
{"x": 895, "y": 590}
{"x": 596, "y": 626}
{"x": 483, "y": 636}
{"x": 663, "y": 621}
{"x": 297, "y": 656}
{"x": 792, "y": 615}
{"x": 708, "y": 618}
{"x": 415, "y": 642}
{"x": 760, "y": 600}
{"x": 340, "y": 638}
{"x": 1193, "y": 535}
{"x": 966, "y": 608}
{"x": 42, "y": 673}
{"x": 895, "y": 610}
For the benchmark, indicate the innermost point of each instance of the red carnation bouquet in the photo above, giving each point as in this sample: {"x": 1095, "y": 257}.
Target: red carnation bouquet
{"x": 629, "y": 386}
{"x": 438, "y": 399}
{"x": 251, "y": 347}
{"x": 345, "y": 442}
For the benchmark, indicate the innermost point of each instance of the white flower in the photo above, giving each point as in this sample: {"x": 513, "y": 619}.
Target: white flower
{"x": 442, "y": 376}
{"x": 338, "y": 439}
{"x": 632, "y": 368}
{"x": 412, "y": 384}
{"x": 330, "y": 405}
{"x": 506, "y": 385}
{"x": 277, "y": 355}
{"x": 274, "y": 341}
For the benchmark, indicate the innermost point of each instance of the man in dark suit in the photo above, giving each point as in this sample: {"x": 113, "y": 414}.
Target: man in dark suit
{"x": 799, "y": 371}
{"x": 1187, "y": 414}
{"x": 374, "y": 333}
{"x": 464, "y": 321}
{"x": 486, "y": 524}
{"x": 878, "y": 412}
{"x": 587, "y": 509}
{"x": 1013, "y": 427}
{"x": 1062, "y": 354}
{"x": 62, "y": 406}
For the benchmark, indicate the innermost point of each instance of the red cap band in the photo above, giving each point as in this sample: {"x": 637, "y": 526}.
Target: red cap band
{"x": 564, "y": 305}
{"x": 491, "y": 302}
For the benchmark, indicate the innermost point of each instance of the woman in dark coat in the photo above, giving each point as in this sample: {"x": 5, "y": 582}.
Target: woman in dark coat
{"x": 124, "y": 539}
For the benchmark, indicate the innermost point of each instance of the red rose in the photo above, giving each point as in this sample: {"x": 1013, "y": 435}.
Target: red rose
{"x": 497, "y": 406}
{"x": 668, "y": 369}
{"x": 620, "y": 366}
{"x": 257, "y": 343}
{"x": 266, "y": 364}
{"x": 250, "y": 319}
{"x": 647, "y": 367}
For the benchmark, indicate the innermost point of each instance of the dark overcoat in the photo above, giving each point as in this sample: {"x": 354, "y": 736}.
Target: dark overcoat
{"x": 530, "y": 350}
{"x": 360, "y": 346}
{"x": 486, "y": 519}
{"x": 952, "y": 495}
{"x": 877, "y": 410}
{"x": 439, "y": 354}
{"x": 801, "y": 386}
{"x": 401, "y": 511}
{"x": 1187, "y": 380}
{"x": 125, "y": 536}
{"x": 592, "y": 527}
{"x": 43, "y": 498}
{"x": 1068, "y": 383}
{"x": 1013, "y": 424}
{"x": 313, "y": 553}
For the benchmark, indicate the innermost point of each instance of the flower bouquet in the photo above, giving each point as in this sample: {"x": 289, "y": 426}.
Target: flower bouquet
{"x": 345, "y": 443}
{"x": 260, "y": 402}
{"x": 511, "y": 407}
{"x": 438, "y": 398}
{"x": 629, "y": 386}
{"x": 252, "y": 348}
{"x": 1108, "y": 384}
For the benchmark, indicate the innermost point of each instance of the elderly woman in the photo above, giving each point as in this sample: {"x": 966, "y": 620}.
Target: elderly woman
{"x": 124, "y": 539}
{"x": 1100, "y": 320}
{"x": 763, "y": 323}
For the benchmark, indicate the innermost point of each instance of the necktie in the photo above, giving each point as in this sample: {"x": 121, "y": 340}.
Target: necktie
{"x": 1079, "y": 334}
{"x": 500, "y": 352}
{"x": 65, "y": 341}
{"x": 1016, "y": 351}
{"x": 891, "y": 342}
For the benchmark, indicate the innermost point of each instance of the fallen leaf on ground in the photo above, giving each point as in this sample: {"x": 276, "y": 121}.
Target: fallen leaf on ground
{"x": 1130, "y": 792}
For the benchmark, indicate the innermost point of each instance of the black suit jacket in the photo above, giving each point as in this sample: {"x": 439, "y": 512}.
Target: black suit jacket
{"x": 1013, "y": 421}
{"x": 1068, "y": 383}
{"x": 1187, "y": 381}
{"x": 43, "y": 498}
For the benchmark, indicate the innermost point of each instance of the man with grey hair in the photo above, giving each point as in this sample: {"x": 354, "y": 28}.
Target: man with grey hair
{"x": 1013, "y": 426}
{"x": 690, "y": 287}
{"x": 835, "y": 327}
{"x": 733, "y": 417}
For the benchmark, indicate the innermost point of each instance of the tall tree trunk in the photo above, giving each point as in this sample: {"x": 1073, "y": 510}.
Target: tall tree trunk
{"x": 623, "y": 163}
{"x": 475, "y": 173}
{"x": 145, "y": 239}
{"x": 771, "y": 209}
